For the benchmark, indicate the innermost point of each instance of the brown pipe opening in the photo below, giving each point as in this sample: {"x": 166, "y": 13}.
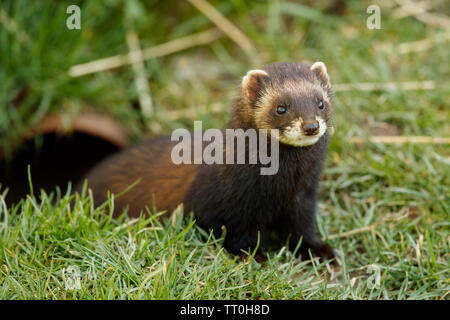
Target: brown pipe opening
{"x": 57, "y": 157}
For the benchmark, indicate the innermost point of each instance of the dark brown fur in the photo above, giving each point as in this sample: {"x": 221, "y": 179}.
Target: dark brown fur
{"x": 237, "y": 196}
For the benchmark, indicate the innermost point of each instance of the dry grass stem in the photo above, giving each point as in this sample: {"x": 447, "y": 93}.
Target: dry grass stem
{"x": 388, "y": 86}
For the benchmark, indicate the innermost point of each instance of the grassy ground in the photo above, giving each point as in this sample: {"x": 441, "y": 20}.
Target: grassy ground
{"x": 384, "y": 207}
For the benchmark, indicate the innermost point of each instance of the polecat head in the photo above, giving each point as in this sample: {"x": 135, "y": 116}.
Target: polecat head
{"x": 294, "y": 98}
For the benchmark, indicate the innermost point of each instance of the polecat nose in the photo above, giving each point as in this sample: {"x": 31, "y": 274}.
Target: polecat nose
{"x": 310, "y": 128}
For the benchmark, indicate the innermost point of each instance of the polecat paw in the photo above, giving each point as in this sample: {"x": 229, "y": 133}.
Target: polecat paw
{"x": 259, "y": 257}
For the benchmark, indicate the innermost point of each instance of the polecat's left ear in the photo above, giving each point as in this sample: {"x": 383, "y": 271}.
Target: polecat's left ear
{"x": 253, "y": 83}
{"x": 320, "y": 70}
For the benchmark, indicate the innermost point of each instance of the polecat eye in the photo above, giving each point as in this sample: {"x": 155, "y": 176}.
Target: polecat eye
{"x": 281, "y": 109}
{"x": 321, "y": 105}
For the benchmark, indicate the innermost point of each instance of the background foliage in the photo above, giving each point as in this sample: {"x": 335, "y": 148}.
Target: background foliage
{"x": 382, "y": 205}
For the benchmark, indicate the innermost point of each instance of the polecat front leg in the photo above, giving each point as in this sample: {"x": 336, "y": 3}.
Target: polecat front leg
{"x": 301, "y": 224}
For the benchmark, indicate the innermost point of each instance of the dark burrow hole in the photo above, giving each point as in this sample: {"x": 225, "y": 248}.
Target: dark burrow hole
{"x": 55, "y": 160}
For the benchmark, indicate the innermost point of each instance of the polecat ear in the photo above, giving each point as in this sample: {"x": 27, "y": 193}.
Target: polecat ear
{"x": 252, "y": 84}
{"x": 320, "y": 70}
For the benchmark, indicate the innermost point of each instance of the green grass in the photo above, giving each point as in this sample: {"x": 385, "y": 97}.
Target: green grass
{"x": 401, "y": 191}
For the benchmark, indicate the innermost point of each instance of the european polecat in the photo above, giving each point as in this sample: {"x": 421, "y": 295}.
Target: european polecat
{"x": 293, "y": 98}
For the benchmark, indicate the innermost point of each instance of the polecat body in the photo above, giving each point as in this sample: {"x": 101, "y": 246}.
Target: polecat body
{"x": 293, "y": 98}
{"x": 147, "y": 168}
